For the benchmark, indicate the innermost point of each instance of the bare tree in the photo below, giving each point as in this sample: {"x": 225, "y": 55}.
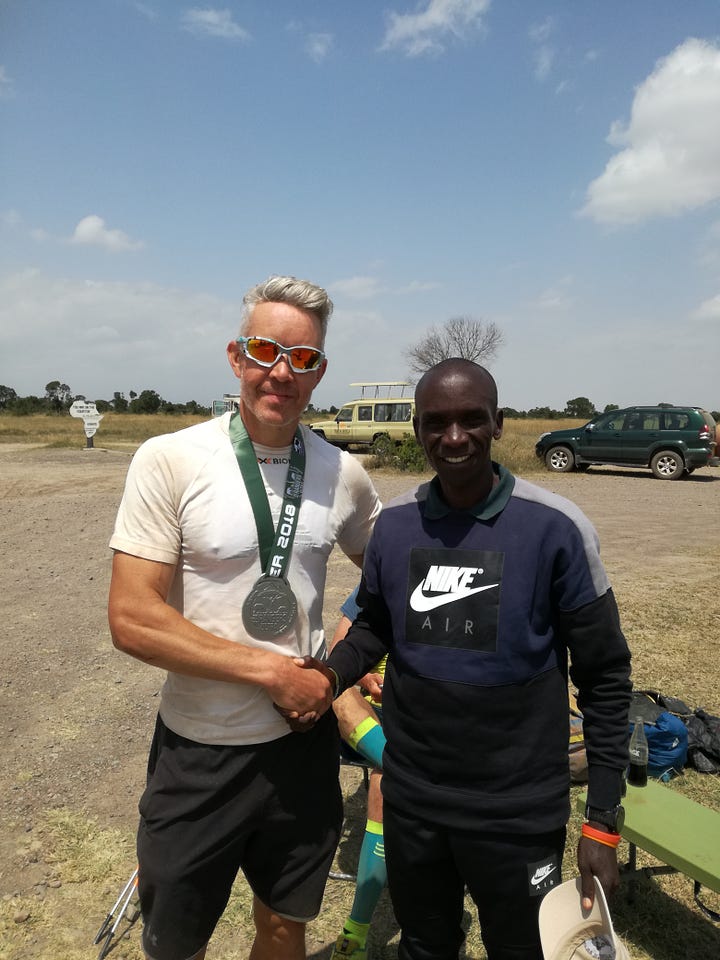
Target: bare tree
{"x": 459, "y": 337}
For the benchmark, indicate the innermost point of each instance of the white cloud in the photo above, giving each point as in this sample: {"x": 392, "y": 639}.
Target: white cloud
{"x": 709, "y": 309}
{"x": 424, "y": 32}
{"x": 544, "y": 54}
{"x": 709, "y": 252}
{"x": 356, "y": 288}
{"x": 540, "y": 32}
{"x": 318, "y": 46}
{"x": 544, "y": 59}
{"x": 418, "y": 286}
{"x": 556, "y": 298}
{"x": 109, "y": 336}
{"x": 213, "y": 23}
{"x": 147, "y": 11}
{"x": 91, "y": 230}
{"x": 367, "y": 287}
{"x": 671, "y": 157}
{"x": 7, "y": 87}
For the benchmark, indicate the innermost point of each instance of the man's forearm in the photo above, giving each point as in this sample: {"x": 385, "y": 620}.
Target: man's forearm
{"x": 145, "y": 626}
{"x": 601, "y": 671}
{"x": 358, "y": 652}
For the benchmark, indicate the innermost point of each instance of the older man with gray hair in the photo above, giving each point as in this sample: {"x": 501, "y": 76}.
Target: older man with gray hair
{"x": 221, "y": 547}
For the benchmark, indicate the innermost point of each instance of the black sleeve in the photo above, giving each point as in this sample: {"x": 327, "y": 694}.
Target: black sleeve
{"x": 366, "y": 642}
{"x": 600, "y": 669}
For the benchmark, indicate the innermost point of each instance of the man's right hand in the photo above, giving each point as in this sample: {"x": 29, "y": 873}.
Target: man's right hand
{"x": 302, "y": 687}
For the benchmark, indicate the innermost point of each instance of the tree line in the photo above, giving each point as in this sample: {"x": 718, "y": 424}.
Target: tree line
{"x": 59, "y": 398}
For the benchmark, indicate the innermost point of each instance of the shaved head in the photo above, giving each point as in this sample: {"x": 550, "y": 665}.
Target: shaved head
{"x": 456, "y": 420}
{"x": 454, "y": 371}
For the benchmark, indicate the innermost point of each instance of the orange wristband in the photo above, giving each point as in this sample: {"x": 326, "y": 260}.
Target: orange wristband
{"x": 600, "y": 836}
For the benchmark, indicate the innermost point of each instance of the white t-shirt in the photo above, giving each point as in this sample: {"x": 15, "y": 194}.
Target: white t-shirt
{"x": 185, "y": 503}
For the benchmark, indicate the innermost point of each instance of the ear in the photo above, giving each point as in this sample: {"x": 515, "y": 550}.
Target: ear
{"x": 320, "y": 372}
{"x": 235, "y": 357}
{"x": 498, "y": 431}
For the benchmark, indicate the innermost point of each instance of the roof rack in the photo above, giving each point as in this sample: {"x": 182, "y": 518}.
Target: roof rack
{"x": 376, "y": 385}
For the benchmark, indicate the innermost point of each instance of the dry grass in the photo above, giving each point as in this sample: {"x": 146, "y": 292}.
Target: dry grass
{"x": 516, "y": 449}
{"x": 675, "y": 637}
{"x": 116, "y": 430}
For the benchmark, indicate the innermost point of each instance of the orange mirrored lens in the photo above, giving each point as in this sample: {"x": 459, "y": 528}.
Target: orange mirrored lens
{"x": 304, "y": 358}
{"x": 263, "y": 350}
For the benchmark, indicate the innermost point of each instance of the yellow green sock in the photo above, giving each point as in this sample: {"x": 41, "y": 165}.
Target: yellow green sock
{"x": 359, "y": 930}
{"x": 369, "y": 740}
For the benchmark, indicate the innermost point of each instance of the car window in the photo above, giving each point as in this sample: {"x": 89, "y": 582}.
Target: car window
{"x": 365, "y": 413}
{"x": 642, "y": 420}
{"x": 676, "y": 421}
{"x": 633, "y": 421}
{"x": 399, "y": 412}
{"x": 345, "y": 415}
{"x": 613, "y": 421}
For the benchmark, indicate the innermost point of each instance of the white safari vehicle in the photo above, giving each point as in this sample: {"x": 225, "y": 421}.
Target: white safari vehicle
{"x": 383, "y": 410}
{"x": 230, "y": 401}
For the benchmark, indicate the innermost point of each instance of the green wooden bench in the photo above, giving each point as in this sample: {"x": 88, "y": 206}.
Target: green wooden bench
{"x": 681, "y": 833}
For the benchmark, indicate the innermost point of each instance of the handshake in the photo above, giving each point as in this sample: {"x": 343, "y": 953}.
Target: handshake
{"x": 309, "y": 691}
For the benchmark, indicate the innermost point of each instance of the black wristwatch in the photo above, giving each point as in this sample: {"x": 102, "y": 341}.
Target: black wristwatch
{"x": 613, "y": 819}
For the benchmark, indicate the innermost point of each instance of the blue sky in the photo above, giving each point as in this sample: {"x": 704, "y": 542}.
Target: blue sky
{"x": 551, "y": 167}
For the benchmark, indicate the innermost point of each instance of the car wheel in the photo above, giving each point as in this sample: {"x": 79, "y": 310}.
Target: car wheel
{"x": 559, "y": 460}
{"x": 667, "y": 465}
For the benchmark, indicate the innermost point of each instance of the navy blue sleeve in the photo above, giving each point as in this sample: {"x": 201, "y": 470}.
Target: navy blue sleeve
{"x": 365, "y": 643}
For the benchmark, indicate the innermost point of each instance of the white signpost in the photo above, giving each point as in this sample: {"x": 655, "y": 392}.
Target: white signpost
{"x": 88, "y": 413}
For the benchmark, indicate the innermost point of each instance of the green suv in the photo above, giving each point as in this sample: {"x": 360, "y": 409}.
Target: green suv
{"x": 672, "y": 441}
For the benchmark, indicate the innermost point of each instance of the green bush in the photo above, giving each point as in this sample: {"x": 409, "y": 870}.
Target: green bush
{"x": 405, "y": 457}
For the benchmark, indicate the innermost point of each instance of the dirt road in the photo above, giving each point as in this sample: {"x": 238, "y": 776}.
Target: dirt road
{"x": 77, "y": 716}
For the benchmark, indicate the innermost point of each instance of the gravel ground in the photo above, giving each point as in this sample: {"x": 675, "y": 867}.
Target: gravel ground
{"x": 77, "y": 715}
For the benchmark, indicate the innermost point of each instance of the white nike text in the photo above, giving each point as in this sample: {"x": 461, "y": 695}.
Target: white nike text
{"x": 450, "y": 583}
{"x": 542, "y": 873}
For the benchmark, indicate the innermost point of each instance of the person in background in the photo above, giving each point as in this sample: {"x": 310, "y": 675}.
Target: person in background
{"x": 220, "y": 548}
{"x": 481, "y": 586}
{"x": 360, "y": 723}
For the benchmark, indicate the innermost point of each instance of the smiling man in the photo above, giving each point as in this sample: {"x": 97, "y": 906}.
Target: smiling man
{"x": 478, "y": 585}
{"x": 221, "y": 547}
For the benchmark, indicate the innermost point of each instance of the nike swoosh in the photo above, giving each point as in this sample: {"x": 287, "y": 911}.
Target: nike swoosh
{"x": 536, "y": 880}
{"x": 420, "y": 603}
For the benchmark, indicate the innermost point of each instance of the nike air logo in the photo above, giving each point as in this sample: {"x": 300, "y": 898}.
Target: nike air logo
{"x": 450, "y": 584}
{"x": 542, "y": 873}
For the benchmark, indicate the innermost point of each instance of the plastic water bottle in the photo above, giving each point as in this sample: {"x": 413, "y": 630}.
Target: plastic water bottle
{"x": 637, "y": 774}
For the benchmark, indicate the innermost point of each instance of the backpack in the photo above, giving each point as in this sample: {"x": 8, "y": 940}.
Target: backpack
{"x": 704, "y": 742}
{"x": 666, "y": 734}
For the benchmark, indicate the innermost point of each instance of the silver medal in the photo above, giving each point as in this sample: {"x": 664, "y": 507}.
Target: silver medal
{"x": 269, "y": 609}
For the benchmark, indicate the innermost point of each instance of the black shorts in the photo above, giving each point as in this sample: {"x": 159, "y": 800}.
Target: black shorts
{"x": 273, "y": 810}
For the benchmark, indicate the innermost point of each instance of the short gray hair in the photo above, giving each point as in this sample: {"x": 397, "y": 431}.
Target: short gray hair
{"x": 298, "y": 293}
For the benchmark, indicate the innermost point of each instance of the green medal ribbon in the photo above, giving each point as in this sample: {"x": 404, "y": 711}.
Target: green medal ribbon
{"x": 271, "y": 607}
